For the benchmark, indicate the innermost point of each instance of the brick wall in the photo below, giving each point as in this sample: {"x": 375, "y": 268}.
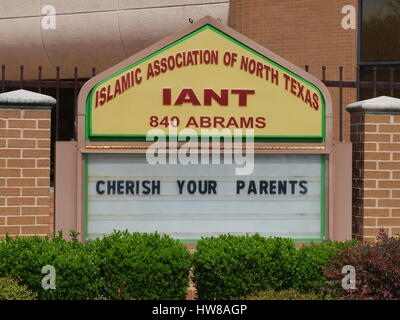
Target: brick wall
{"x": 376, "y": 174}
{"x": 306, "y": 32}
{"x": 25, "y": 172}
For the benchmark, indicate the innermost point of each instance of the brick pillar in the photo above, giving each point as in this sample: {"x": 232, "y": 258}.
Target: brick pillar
{"x": 25, "y": 121}
{"x": 375, "y": 133}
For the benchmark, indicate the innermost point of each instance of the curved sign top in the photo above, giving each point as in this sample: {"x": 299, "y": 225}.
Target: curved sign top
{"x": 209, "y": 78}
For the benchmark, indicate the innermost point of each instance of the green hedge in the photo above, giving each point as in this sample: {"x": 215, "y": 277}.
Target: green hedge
{"x": 127, "y": 265}
{"x": 77, "y": 266}
{"x": 228, "y": 267}
{"x": 143, "y": 266}
{"x": 310, "y": 261}
{"x": 119, "y": 266}
{"x": 10, "y": 289}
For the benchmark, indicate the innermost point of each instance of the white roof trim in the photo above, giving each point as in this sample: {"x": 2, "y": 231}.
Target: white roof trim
{"x": 23, "y": 97}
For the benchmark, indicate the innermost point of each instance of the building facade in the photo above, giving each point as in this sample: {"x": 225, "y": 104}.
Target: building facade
{"x": 55, "y": 47}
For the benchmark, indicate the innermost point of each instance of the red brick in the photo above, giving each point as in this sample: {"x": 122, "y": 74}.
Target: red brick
{"x": 364, "y": 202}
{"x": 366, "y": 146}
{"x": 22, "y": 124}
{"x": 364, "y": 183}
{"x": 389, "y": 147}
{"x": 376, "y": 193}
{"x": 371, "y": 165}
{"x": 389, "y": 202}
{"x": 396, "y": 212}
{"x": 20, "y": 220}
{"x": 36, "y": 133}
{"x": 376, "y": 155}
{"x": 388, "y": 222}
{"x": 35, "y": 210}
{"x": 43, "y": 163}
{"x": 43, "y": 144}
{"x": 389, "y": 128}
{"x": 35, "y": 172}
{"x": 10, "y": 191}
{"x": 40, "y": 182}
{"x": 396, "y": 174}
{"x": 10, "y": 133}
{"x": 20, "y": 182}
{"x": 21, "y": 143}
{"x": 376, "y": 137}
{"x": 35, "y": 153}
{"x": 10, "y": 153}
{"x": 19, "y": 163}
{"x": 376, "y": 212}
{"x": 10, "y": 172}
{"x": 21, "y": 201}
{"x": 35, "y": 229}
{"x": 373, "y": 231}
{"x": 43, "y": 220}
{"x": 43, "y": 201}
{"x": 8, "y": 229}
{"x": 395, "y": 194}
{"x": 367, "y": 128}
{"x": 389, "y": 165}
{"x": 44, "y": 124}
{"x": 370, "y": 222}
{"x": 10, "y": 113}
{"x": 35, "y": 191}
{"x": 389, "y": 184}
{"x": 37, "y": 114}
{"x": 376, "y": 174}
{"x": 9, "y": 210}
{"x": 372, "y": 118}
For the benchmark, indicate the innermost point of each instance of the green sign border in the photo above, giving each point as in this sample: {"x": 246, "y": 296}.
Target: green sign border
{"x": 89, "y": 136}
{"x": 322, "y": 205}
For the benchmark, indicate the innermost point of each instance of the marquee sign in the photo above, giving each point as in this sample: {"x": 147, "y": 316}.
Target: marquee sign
{"x": 206, "y": 76}
{"x": 205, "y": 80}
{"x": 284, "y": 197}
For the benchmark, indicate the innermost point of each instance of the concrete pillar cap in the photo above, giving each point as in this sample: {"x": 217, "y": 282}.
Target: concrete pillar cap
{"x": 381, "y": 104}
{"x": 25, "y": 98}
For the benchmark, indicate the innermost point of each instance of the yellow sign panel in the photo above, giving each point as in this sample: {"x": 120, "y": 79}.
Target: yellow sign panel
{"x": 206, "y": 80}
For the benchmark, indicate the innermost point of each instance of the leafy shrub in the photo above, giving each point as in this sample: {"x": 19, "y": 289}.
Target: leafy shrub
{"x": 229, "y": 266}
{"x": 290, "y": 294}
{"x": 76, "y": 264}
{"x": 143, "y": 266}
{"x": 11, "y": 290}
{"x": 310, "y": 261}
{"x": 377, "y": 270}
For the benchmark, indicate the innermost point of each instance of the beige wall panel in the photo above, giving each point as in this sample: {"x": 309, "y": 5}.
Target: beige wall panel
{"x": 342, "y": 191}
{"x": 168, "y": 21}
{"x": 129, "y": 4}
{"x": 66, "y": 185}
{"x": 84, "y": 40}
{"x": 21, "y": 44}
{"x": 91, "y": 33}
{"x": 81, "y": 6}
{"x": 19, "y": 8}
